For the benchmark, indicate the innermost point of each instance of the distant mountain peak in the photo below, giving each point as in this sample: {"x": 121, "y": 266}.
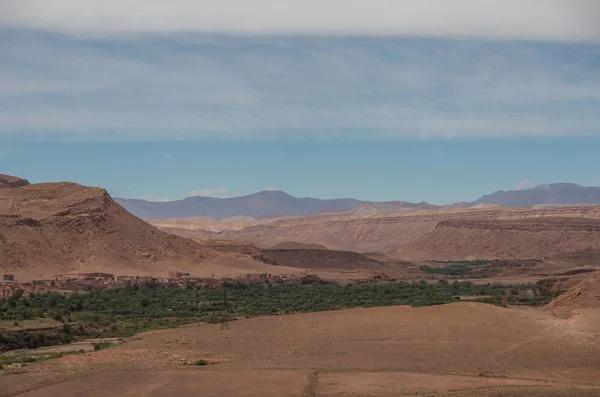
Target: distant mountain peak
{"x": 273, "y": 193}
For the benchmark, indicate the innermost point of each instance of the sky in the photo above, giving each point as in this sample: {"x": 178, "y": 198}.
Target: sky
{"x": 380, "y": 100}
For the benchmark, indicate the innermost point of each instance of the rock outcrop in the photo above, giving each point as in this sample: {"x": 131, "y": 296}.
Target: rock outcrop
{"x": 52, "y": 228}
{"x": 7, "y": 182}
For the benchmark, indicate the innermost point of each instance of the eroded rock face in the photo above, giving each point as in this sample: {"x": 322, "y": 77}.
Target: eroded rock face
{"x": 52, "y": 228}
{"x": 7, "y": 182}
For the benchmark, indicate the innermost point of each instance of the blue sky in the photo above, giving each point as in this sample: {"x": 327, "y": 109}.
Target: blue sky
{"x": 411, "y": 100}
{"x": 438, "y": 171}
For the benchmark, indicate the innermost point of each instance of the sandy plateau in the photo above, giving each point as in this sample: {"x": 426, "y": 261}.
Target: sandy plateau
{"x": 459, "y": 233}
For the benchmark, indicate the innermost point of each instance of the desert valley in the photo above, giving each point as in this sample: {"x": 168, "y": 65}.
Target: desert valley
{"x": 279, "y": 296}
{"x": 299, "y": 198}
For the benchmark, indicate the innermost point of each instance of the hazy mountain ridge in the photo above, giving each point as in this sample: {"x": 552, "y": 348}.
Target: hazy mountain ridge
{"x": 279, "y": 203}
{"x": 552, "y": 194}
{"x": 258, "y": 205}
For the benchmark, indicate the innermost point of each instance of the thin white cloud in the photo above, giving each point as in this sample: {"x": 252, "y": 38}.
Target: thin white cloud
{"x": 222, "y": 193}
{"x": 202, "y": 87}
{"x": 524, "y": 184}
{"x": 528, "y": 19}
{"x": 151, "y": 197}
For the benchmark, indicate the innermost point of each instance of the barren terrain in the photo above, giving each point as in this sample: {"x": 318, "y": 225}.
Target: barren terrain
{"x": 584, "y": 295}
{"x": 449, "y": 234}
{"x": 53, "y": 228}
{"x": 463, "y": 349}
{"x": 460, "y": 349}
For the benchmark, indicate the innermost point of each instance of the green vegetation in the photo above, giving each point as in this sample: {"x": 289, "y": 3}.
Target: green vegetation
{"x": 127, "y": 311}
{"x": 473, "y": 263}
{"x": 102, "y": 345}
{"x": 24, "y": 359}
{"x": 456, "y": 268}
{"x": 490, "y": 375}
{"x": 201, "y": 362}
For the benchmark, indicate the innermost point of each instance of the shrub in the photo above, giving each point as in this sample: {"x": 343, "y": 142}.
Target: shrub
{"x": 102, "y": 345}
{"x": 201, "y": 362}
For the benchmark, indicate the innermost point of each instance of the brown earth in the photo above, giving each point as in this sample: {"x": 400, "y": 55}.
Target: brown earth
{"x": 53, "y": 228}
{"x": 584, "y": 295}
{"x": 293, "y": 245}
{"x": 524, "y": 238}
{"x": 206, "y": 224}
{"x": 320, "y": 259}
{"x": 463, "y": 349}
{"x": 505, "y": 233}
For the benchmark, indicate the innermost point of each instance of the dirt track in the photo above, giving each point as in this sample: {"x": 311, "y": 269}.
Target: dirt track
{"x": 463, "y": 349}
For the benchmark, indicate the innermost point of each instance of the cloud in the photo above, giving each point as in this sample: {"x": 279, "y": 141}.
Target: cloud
{"x": 238, "y": 88}
{"x": 528, "y": 19}
{"x": 524, "y": 184}
{"x": 222, "y": 193}
{"x": 150, "y": 197}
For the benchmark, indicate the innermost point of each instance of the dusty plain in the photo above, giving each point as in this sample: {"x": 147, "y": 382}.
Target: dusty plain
{"x": 463, "y": 349}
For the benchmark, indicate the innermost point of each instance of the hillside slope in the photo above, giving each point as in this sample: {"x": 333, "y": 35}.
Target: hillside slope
{"x": 451, "y": 234}
{"x": 585, "y": 295}
{"x": 52, "y": 228}
{"x": 518, "y": 239}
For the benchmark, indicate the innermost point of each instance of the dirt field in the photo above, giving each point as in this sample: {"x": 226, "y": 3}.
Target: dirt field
{"x": 464, "y": 349}
{"x": 321, "y": 259}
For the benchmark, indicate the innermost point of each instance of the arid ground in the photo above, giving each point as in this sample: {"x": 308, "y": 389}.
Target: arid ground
{"x": 459, "y": 349}
{"x": 464, "y": 349}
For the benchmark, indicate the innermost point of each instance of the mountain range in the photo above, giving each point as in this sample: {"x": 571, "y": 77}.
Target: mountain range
{"x": 278, "y": 203}
{"x": 257, "y": 205}
{"x": 553, "y": 194}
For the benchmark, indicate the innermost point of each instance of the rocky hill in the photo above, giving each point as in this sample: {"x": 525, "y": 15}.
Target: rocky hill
{"x": 51, "y": 228}
{"x": 508, "y": 239}
{"x": 450, "y": 234}
{"x": 585, "y": 295}
{"x": 7, "y": 182}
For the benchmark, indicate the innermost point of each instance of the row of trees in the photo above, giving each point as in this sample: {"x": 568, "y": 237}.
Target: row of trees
{"x": 123, "y": 312}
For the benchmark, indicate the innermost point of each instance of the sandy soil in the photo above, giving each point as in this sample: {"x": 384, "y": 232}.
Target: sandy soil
{"x": 463, "y": 349}
{"x": 582, "y": 296}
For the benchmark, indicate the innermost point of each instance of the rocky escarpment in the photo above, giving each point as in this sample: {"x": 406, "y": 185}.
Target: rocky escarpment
{"x": 505, "y": 233}
{"x": 7, "y": 182}
{"x": 496, "y": 238}
{"x": 53, "y": 228}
